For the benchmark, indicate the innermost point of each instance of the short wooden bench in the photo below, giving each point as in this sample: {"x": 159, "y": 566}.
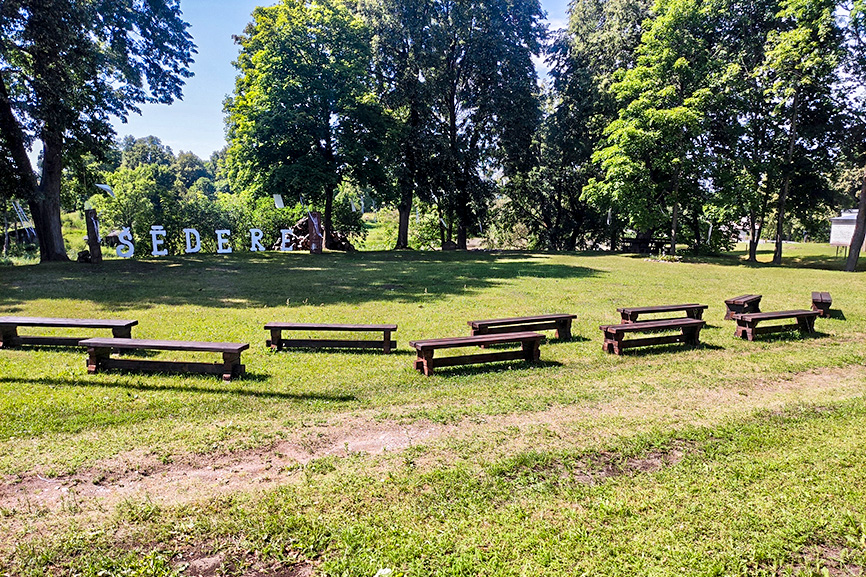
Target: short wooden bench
{"x": 614, "y": 335}
{"x": 99, "y": 356}
{"x": 821, "y": 302}
{"x": 742, "y": 304}
{"x": 561, "y": 323}
{"x": 9, "y": 336}
{"x": 277, "y": 342}
{"x": 692, "y": 310}
{"x": 747, "y": 323}
{"x": 425, "y": 362}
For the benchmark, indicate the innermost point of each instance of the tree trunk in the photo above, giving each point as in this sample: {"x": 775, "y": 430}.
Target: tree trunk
{"x": 328, "y": 241}
{"x": 786, "y": 183}
{"x": 674, "y": 223}
{"x": 859, "y": 230}
{"x": 45, "y": 209}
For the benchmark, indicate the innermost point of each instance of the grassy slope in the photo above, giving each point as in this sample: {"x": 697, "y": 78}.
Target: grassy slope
{"x": 751, "y": 491}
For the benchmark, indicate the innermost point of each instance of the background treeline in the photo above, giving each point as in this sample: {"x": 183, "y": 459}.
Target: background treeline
{"x": 685, "y": 120}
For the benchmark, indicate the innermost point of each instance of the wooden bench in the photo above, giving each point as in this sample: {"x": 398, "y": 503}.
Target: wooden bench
{"x": 9, "y": 336}
{"x": 821, "y": 302}
{"x": 528, "y": 341}
{"x": 277, "y": 342}
{"x": 614, "y": 335}
{"x": 99, "y": 356}
{"x": 692, "y": 310}
{"x": 747, "y": 323}
{"x": 561, "y": 323}
{"x": 742, "y": 304}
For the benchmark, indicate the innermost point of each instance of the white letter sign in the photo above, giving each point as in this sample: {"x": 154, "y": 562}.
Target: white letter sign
{"x": 256, "y": 236}
{"x": 286, "y": 240}
{"x": 157, "y": 233}
{"x": 223, "y": 242}
{"x": 125, "y": 249}
{"x": 190, "y": 234}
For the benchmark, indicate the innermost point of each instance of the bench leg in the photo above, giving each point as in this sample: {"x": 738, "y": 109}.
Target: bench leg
{"x": 806, "y": 324}
{"x": 95, "y": 358}
{"x": 692, "y": 336}
{"x": 8, "y": 336}
{"x": 424, "y": 362}
{"x": 387, "y": 346}
{"x": 563, "y": 330}
{"x": 745, "y": 332}
{"x": 531, "y": 351}
{"x": 232, "y": 366}
{"x": 612, "y": 343}
{"x": 276, "y": 341}
{"x": 695, "y": 314}
{"x": 122, "y": 332}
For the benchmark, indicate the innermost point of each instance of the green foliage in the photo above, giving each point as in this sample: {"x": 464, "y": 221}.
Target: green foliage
{"x": 68, "y": 67}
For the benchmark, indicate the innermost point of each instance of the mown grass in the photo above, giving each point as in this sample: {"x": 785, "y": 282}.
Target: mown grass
{"x": 764, "y": 474}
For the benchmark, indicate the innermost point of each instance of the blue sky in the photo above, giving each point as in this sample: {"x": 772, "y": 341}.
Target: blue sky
{"x": 196, "y": 123}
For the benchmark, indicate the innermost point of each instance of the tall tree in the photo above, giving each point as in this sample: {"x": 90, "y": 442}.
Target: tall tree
{"x": 802, "y": 67}
{"x": 601, "y": 39}
{"x": 856, "y": 64}
{"x": 484, "y": 102}
{"x": 67, "y": 66}
{"x": 652, "y": 154}
{"x": 302, "y": 117}
{"x": 403, "y": 55}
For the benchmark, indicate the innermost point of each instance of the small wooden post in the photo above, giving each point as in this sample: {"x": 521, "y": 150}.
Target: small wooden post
{"x": 315, "y": 231}
{"x": 93, "y": 236}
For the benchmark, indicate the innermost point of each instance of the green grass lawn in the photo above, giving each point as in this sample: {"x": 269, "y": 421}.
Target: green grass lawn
{"x": 733, "y": 458}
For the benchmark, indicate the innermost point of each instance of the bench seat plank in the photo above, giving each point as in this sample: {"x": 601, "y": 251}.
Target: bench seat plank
{"x": 9, "y": 337}
{"x": 614, "y": 341}
{"x": 742, "y": 304}
{"x": 559, "y": 322}
{"x": 277, "y": 342}
{"x": 821, "y": 302}
{"x": 426, "y": 363}
{"x": 692, "y": 310}
{"x": 99, "y": 356}
{"x": 747, "y": 323}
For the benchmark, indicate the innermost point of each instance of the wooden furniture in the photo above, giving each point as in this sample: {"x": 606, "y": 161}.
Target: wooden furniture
{"x": 644, "y": 245}
{"x": 9, "y": 336}
{"x": 277, "y": 342}
{"x": 561, "y": 323}
{"x": 614, "y": 335}
{"x": 747, "y": 323}
{"x": 99, "y": 356}
{"x": 821, "y": 302}
{"x": 425, "y": 362}
{"x": 692, "y": 310}
{"x": 742, "y": 304}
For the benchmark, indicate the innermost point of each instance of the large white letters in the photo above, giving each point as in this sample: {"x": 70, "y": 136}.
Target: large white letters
{"x": 256, "y": 236}
{"x": 223, "y": 246}
{"x": 125, "y": 249}
{"x": 191, "y": 234}
{"x": 157, "y": 236}
{"x": 286, "y": 240}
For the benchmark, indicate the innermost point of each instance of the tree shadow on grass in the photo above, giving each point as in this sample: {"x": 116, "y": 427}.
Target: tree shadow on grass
{"x": 271, "y": 279}
{"x": 205, "y": 387}
{"x": 791, "y": 335}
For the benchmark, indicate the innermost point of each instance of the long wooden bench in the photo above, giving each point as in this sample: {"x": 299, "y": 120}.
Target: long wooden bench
{"x": 561, "y": 323}
{"x": 614, "y": 335}
{"x": 426, "y": 363}
{"x": 821, "y": 302}
{"x": 277, "y": 342}
{"x": 99, "y": 356}
{"x": 692, "y": 310}
{"x": 9, "y": 336}
{"x": 747, "y": 323}
{"x": 742, "y": 304}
